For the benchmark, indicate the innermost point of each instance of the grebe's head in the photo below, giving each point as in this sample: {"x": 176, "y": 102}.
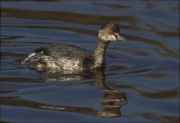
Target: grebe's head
{"x": 110, "y": 31}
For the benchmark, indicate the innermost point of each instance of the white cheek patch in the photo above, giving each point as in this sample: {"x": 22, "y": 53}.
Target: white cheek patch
{"x": 111, "y": 38}
{"x": 104, "y": 37}
{"x": 107, "y": 37}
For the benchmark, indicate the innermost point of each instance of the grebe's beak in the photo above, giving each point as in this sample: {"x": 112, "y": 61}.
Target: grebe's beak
{"x": 120, "y": 38}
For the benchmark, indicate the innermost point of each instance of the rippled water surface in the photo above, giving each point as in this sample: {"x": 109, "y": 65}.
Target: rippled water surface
{"x": 141, "y": 79}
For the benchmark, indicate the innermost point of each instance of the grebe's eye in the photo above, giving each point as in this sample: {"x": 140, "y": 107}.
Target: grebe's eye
{"x": 111, "y": 32}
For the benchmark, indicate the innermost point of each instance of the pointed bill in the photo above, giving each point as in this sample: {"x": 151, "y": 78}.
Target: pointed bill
{"x": 121, "y": 38}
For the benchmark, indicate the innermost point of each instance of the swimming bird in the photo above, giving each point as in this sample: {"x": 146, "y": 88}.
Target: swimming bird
{"x": 70, "y": 57}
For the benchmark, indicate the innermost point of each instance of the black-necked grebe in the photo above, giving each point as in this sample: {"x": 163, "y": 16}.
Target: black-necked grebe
{"x": 70, "y": 57}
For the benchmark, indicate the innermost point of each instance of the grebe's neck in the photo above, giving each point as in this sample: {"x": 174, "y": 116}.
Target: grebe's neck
{"x": 99, "y": 54}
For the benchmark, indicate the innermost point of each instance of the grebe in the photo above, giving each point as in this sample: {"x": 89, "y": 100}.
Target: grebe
{"x": 71, "y": 57}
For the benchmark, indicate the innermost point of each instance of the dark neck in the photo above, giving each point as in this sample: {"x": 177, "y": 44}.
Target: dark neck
{"x": 99, "y": 54}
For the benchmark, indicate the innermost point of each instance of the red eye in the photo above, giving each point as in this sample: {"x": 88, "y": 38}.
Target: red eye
{"x": 111, "y": 32}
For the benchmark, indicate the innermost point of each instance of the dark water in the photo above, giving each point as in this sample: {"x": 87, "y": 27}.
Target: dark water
{"x": 141, "y": 79}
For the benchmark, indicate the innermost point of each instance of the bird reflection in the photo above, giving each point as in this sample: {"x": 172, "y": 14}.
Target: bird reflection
{"x": 112, "y": 100}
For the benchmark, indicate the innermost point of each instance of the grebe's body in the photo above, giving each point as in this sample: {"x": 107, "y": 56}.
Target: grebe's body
{"x": 70, "y": 57}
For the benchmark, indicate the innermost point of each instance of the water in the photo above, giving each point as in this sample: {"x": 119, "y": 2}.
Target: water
{"x": 141, "y": 79}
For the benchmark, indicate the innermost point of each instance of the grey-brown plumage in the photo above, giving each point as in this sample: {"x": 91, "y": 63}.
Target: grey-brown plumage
{"x": 71, "y": 57}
